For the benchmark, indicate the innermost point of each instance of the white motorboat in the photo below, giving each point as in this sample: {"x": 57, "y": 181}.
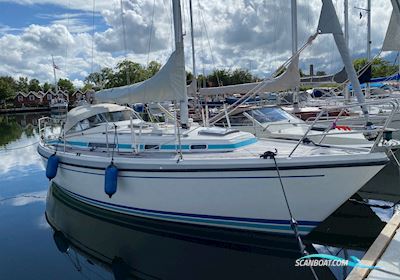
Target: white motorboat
{"x": 108, "y": 157}
{"x": 274, "y": 122}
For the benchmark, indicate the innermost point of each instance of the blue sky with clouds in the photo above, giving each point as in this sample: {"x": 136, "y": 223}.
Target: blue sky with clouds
{"x": 229, "y": 34}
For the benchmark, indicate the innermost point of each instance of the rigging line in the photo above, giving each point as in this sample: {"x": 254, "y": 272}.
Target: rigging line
{"x": 169, "y": 13}
{"x": 66, "y": 45}
{"x": 183, "y": 17}
{"x": 293, "y": 221}
{"x": 202, "y": 51}
{"x": 150, "y": 34}
{"x": 209, "y": 43}
{"x": 93, "y": 30}
{"x": 18, "y": 148}
{"x": 124, "y": 41}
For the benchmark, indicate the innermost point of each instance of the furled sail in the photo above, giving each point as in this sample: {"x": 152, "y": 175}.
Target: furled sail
{"x": 166, "y": 85}
{"x": 392, "y": 39}
{"x": 290, "y": 79}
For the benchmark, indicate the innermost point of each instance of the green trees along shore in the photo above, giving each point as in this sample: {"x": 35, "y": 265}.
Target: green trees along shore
{"x": 129, "y": 72}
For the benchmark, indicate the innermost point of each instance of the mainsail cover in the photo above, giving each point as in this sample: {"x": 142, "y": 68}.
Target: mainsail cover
{"x": 166, "y": 85}
{"x": 392, "y": 39}
{"x": 289, "y": 79}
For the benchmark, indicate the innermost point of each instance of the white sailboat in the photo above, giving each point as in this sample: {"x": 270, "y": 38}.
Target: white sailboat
{"x": 109, "y": 158}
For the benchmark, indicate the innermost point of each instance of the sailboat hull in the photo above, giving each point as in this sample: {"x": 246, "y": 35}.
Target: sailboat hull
{"x": 219, "y": 193}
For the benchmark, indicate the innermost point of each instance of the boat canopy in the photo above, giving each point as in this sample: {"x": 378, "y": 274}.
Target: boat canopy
{"x": 165, "y": 85}
{"x": 84, "y": 112}
{"x": 290, "y": 79}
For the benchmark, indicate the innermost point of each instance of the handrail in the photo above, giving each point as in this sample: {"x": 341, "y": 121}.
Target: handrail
{"x": 392, "y": 102}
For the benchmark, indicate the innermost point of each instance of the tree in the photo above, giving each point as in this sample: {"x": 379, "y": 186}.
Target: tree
{"x": 7, "y": 88}
{"x": 240, "y": 76}
{"x": 87, "y": 87}
{"x": 152, "y": 69}
{"x": 22, "y": 84}
{"x": 66, "y": 85}
{"x": 46, "y": 87}
{"x": 34, "y": 85}
{"x": 219, "y": 77}
{"x": 380, "y": 67}
{"x": 129, "y": 72}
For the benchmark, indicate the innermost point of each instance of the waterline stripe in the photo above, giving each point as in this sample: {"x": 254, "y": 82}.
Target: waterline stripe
{"x": 279, "y": 225}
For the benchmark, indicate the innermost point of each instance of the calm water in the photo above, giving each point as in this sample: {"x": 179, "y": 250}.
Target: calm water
{"x": 76, "y": 241}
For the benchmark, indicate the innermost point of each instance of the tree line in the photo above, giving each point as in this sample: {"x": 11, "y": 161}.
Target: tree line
{"x": 10, "y": 86}
{"x": 129, "y": 72}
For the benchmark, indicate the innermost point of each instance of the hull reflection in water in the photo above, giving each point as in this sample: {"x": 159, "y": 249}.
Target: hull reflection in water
{"x": 128, "y": 247}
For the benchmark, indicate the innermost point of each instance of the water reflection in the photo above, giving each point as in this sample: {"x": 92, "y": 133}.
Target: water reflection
{"x": 147, "y": 249}
{"x": 18, "y": 141}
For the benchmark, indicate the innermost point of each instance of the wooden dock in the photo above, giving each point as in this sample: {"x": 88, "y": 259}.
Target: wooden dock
{"x": 384, "y": 253}
{"x": 24, "y": 110}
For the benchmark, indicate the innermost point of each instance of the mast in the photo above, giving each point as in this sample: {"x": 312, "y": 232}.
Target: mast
{"x": 367, "y": 93}
{"x": 192, "y": 37}
{"x": 55, "y": 76}
{"x": 346, "y": 22}
{"x": 294, "y": 46}
{"x": 346, "y": 36}
{"x": 294, "y": 26}
{"x": 176, "y": 8}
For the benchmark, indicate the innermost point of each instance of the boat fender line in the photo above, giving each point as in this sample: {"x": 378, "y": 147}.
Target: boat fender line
{"x": 111, "y": 173}
{"x": 52, "y": 166}
{"x": 293, "y": 222}
{"x": 111, "y": 180}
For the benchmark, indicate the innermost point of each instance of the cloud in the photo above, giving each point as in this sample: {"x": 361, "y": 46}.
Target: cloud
{"x": 228, "y": 34}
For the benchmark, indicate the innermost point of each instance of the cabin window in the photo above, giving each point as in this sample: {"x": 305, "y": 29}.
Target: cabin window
{"x": 49, "y": 97}
{"x": 153, "y": 147}
{"x": 31, "y": 97}
{"x": 271, "y": 114}
{"x": 117, "y": 116}
{"x": 20, "y": 98}
{"x": 198, "y": 147}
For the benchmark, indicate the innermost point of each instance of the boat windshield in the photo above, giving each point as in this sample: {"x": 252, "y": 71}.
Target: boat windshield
{"x": 272, "y": 114}
{"x": 103, "y": 118}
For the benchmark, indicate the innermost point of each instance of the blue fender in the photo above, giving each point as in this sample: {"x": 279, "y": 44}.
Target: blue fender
{"x": 111, "y": 180}
{"x": 52, "y": 166}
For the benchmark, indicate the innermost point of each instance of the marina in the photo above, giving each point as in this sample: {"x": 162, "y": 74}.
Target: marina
{"x": 134, "y": 170}
{"x": 353, "y": 227}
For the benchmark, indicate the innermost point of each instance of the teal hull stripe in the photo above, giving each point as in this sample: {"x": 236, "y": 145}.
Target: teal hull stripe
{"x": 233, "y": 146}
{"x": 211, "y": 222}
{"x": 167, "y": 147}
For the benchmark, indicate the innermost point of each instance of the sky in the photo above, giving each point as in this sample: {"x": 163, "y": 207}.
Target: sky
{"x": 85, "y": 36}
